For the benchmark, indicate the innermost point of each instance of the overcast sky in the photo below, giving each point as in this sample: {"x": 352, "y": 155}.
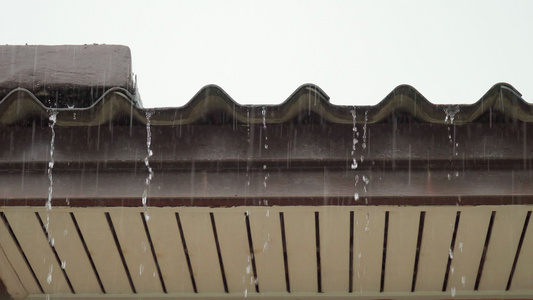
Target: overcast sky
{"x": 260, "y": 52}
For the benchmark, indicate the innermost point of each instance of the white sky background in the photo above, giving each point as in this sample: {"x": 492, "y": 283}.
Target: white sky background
{"x": 260, "y": 52}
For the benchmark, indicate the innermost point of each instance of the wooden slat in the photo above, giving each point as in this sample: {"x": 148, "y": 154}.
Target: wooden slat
{"x": 37, "y": 249}
{"x": 17, "y": 262}
{"x": 301, "y": 250}
{"x": 268, "y": 249}
{"x": 523, "y": 275}
{"x": 235, "y": 250}
{"x": 469, "y": 244}
{"x": 335, "y": 248}
{"x": 506, "y": 231}
{"x": 70, "y": 249}
{"x": 401, "y": 249}
{"x": 9, "y": 277}
{"x": 169, "y": 250}
{"x": 136, "y": 248}
{"x": 369, "y": 224}
{"x": 95, "y": 230}
{"x": 202, "y": 249}
{"x": 439, "y": 224}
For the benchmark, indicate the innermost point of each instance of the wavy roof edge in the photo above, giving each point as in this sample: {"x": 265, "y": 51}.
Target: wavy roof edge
{"x": 20, "y": 105}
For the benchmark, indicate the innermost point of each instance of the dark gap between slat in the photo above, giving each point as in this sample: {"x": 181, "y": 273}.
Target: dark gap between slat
{"x": 318, "y": 266}
{"x": 285, "y": 258}
{"x": 384, "y": 259}
{"x": 418, "y": 245}
{"x": 47, "y": 236}
{"x": 213, "y": 224}
{"x": 186, "y": 253}
{"x": 6, "y": 223}
{"x": 153, "y": 253}
{"x": 87, "y": 252}
{"x": 524, "y": 230}
{"x": 483, "y": 256}
{"x": 251, "y": 245}
{"x": 452, "y": 248}
{"x": 350, "y": 274}
{"x": 117, "y": 243}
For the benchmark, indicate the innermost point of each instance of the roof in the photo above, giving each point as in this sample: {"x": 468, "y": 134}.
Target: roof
{"x": 67, "y": 75}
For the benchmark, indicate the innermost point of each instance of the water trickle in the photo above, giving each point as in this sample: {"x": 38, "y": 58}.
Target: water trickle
{"x": 248, "y": 125}
{"x": 364, "y": 132}
{"x": 450, "y": 111}
{"x": 147, "y": 164}
{"x": 52, "y": 123}
{"x": 367, "y": 225}
{"x": 354, "y": 164}
{"x": 263, "y": 112}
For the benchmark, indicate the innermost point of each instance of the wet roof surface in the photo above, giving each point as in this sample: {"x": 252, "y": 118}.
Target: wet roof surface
{"x": 211, "y": 105}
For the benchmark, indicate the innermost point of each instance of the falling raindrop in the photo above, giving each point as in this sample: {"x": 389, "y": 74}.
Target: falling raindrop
{"x": 49, "y": 277}
{"x": 463, "y": 280}
{"x": 450, "y": 252}
{"x": 141, "y": 269}
{"x": 453, "y": 291}
{"x": 63, "y": 264}
{"x": 143, "y": 247}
